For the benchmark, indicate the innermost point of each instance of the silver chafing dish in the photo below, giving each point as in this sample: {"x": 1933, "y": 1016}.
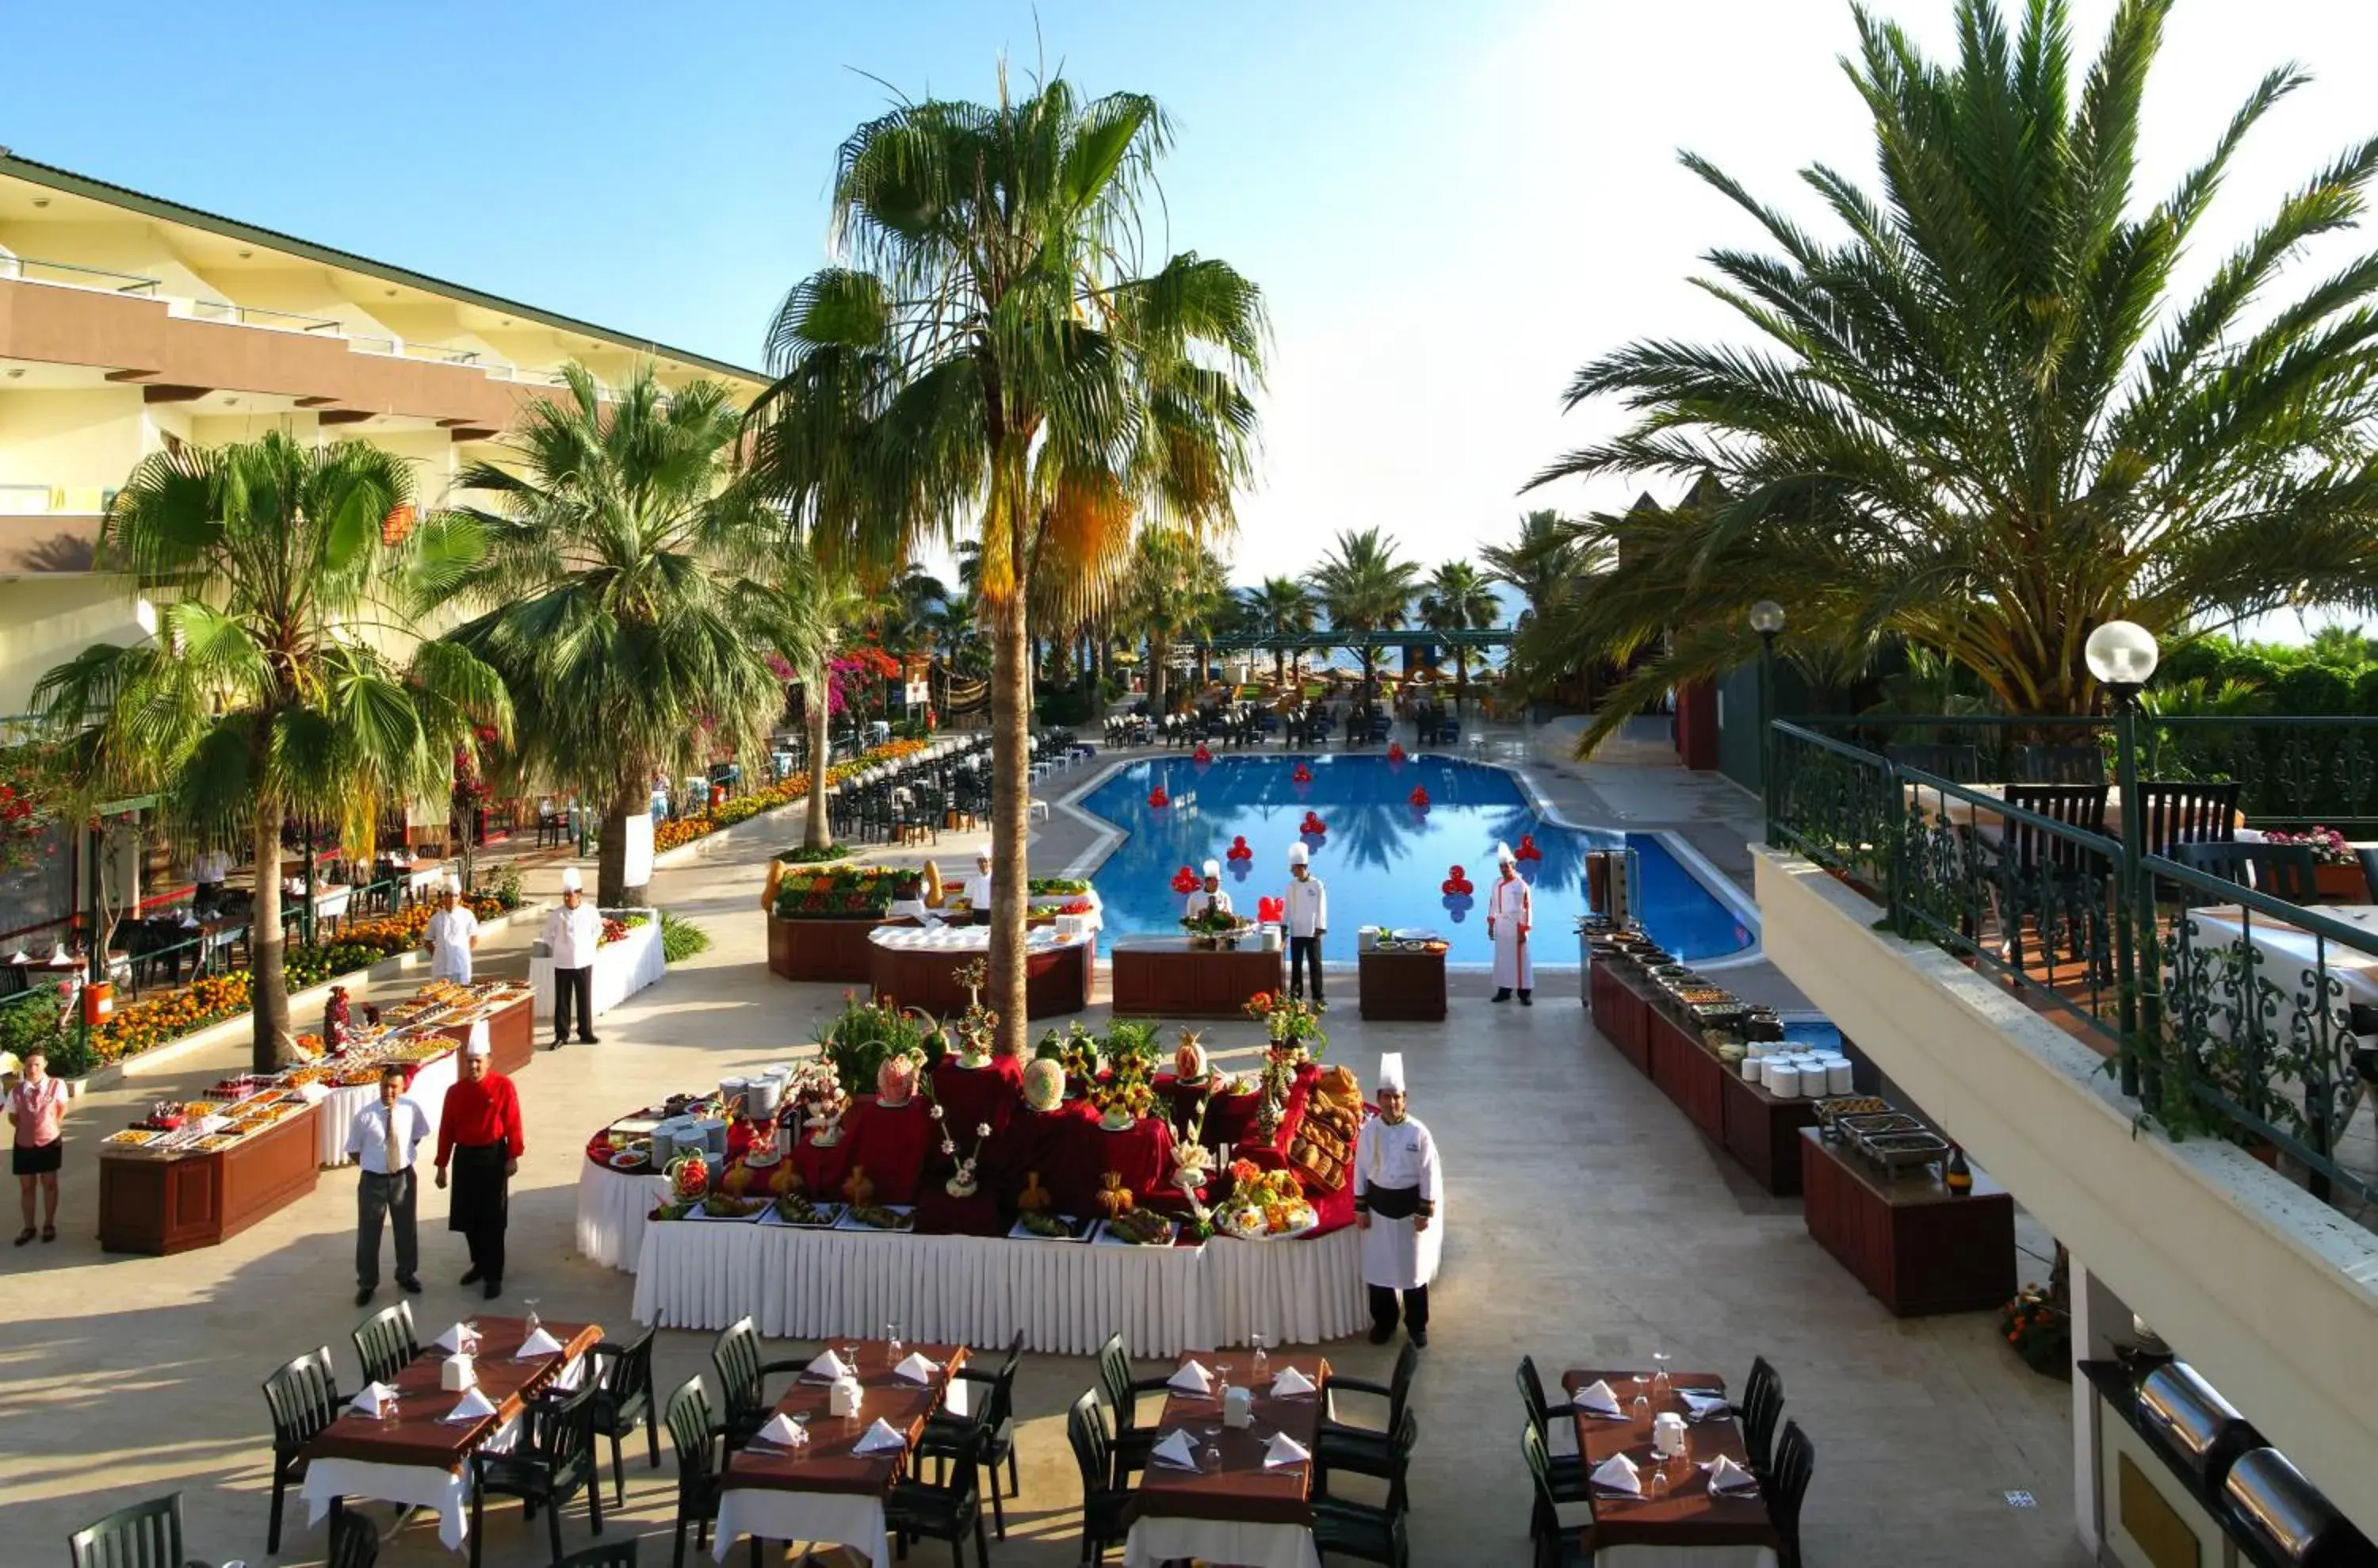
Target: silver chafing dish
{"x": 2268, "y": 1499}
{"x": 2200, "y": 1428}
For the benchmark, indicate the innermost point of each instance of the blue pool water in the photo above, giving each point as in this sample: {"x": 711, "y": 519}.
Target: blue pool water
{"x": 1384, "y": 861}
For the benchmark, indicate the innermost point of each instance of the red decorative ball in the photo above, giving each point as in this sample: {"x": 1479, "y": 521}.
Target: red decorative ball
{"x": 1239, "y": 851}
{"x": 1157, "y": 797}
{"x": 1527, "y": 850}
{"x": 1186, "y": 880}
{"x": 1419, "y": 798}
{"x": 1394, "y": 751}
{"x": 1201, "y": 755}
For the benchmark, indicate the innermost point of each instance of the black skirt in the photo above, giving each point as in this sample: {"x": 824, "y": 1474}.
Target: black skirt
{"x": 481, "y": 1193}
{"x": 37, "y": 1159}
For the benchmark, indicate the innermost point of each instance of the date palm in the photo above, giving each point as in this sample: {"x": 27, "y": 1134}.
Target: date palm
{"x": 284, "y": 680}
{"x": 1458, "y": 598}
{"x": 1980, "y": 419}
{"x": 1541, "y": 562}
{"x": 1280, "y": 608}
{"x": 1177, "y": 592}
{"x": 1366, "y": 586}
{"x": 1021, "y": 373}
{"x": 629, "y": 591}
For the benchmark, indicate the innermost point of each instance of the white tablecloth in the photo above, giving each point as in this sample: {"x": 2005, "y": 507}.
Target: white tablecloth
{"x": 622, "y": 969}
{"x": 1154, "y": 1542}
{"x": 1065, "y": 1297}
{"x": 611, "y": 1209}
{"x": 429, "y": 1086}
{"x": 961, "y": 938}
{"x": 772, "y": 1514}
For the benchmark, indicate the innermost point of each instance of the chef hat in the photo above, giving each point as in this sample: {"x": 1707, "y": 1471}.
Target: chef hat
{"x": 1298, "y": 854}
{"x": 1392, "y": 1071}
{"x": 1213, "y": 868}
{"x": 982, "y": 856}
{"x": 452, "y": 884}
{"x": 1503, "y": 855}
{"x": 476, "y": 1048}
{"x": 569, "y": 883}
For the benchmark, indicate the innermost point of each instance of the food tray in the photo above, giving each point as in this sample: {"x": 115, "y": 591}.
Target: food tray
{"x": 1903, "y": 1151}
{"x": 905, "y": 1212}
{"x": 829, "y": 1216}
{"x": 1107, "y": 1238}
{"x": 1831, "y": 1108}
{"x": 699, "y": 1212}
{"x": 133, "y": 1137}
{"x": 1079, "y": 1230}
{"x": 1876, "y": 1124}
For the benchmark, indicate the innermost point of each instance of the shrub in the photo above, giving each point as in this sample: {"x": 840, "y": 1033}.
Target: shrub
{"x": 865, "y": 1035}
{"x": 2315, "y": 689}
{"x": 800, "y": 855}
{"x": 680, "y": 938}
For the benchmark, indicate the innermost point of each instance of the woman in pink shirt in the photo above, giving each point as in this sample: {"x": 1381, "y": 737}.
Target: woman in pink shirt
{"x": 37, "y": 1104}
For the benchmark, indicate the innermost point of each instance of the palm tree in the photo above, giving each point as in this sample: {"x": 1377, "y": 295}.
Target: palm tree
{"x": 1541, "y": 562}
{"x": 1177, "y": 591}
{"x": 1981, "y": 421}
{"x": 1364, "y": 586}
{"x": 273, "y": 688}
{"x": 1280, "y": 608}
{"x": 630, "y": 580}
{"x": 1021, "y": 374}
{"x": 1457, "y": 597}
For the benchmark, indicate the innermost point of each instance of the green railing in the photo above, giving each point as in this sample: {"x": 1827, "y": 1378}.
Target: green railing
{"x": 2221, "y": 1007}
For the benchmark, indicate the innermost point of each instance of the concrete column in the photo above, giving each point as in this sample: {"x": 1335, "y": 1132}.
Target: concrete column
{"x": 2100, "y": 1320}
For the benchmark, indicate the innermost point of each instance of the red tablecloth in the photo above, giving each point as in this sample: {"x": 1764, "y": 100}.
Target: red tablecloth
{"x": 1046, "y": 1142}
{"x": 891, "y": 1142}
{"x": 1141, "y": 1154}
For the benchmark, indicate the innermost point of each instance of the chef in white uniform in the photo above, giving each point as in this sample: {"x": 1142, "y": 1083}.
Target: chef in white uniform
{"x": 1398, "y": 1185}
{"x": 1510, "y": 914}
{"x": 1307, "y": 909}
{"x": 452, "y": 932}
{"x": 977, "y": 887}
{"x": 1209, "y": 897}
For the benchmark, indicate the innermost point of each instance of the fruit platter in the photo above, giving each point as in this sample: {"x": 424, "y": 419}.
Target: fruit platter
{"x": 886, "y": 1217}
{"x": 632, "y": 1161}
{"x": 1139, "y": 1227}
{"x": 1039, "y": 1225}
{"x": 1264, "y": 1206}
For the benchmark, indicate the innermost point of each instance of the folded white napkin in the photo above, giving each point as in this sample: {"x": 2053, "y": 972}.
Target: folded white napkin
{"x": 1192, "y": 1378}
{"x": 472, "y": 1407}
{"x": 1284, "y": 1451}
{"x": 782, "y": 1432}
{"x": 916, "y": 1369}
{"x": 538, "y": 1343}
{"x": 1724, "y": 1475}
{"x": 18, "y": 956}
{"x": 1597, "y": 1399}
{"x": 879, "y": 1439}
{"x": 370, "y": 1398}
{"x": 457, "y": 1337}
{"x": 957, "y": 1397}
{"x": 829, "y": 1365}
{"x": 1618, "y": 1474}
{"x": 1290, "y": 1384}
{"x": 1175, "y": 1451}
{"x": 1700, "y": 1406}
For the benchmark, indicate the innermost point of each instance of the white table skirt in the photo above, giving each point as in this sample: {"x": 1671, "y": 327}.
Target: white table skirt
{"x": 611, "y": 1209}
{"x": 622, "y": 969}
{"x": 339, "y": 1107}
{"x": 818, "y": 1517}
{"x": 446, "y": 1493}
{"x": 1066, "y": 1297}
{"x": 1685, "y": 1557}
{"x": 1154, "y": 1542}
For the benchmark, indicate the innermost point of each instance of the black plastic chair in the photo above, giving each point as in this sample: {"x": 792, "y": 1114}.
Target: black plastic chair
{"x": 303, "y": 1398}
{"x": 1760, "y": 1407}
{"x": 554, "y": 1462}
{"x": 146, "y": 1535}
{"x": 1796, "y": 1462}
{"x": 1365, "y": 1450}
{"x": 1102, "y": 1502}
{"x": 2060, "y": 764}
{"x": 1360, "y": 1531}
{"x": 1566, "y": 1468}
{"x": 948, "y": 1511}
{"x": 701, "y": 1456}
{"x": 1395, "y": 1470}
{"x": 743, "y": 1379}
{"x": 623, "y": 1397}
{"x": 609, "y": 1554}
{"x": 2186, "y": 812}
{"x": 1132, "y": 1441}
{"x": 2282, "y": 871}
{"x": 385, "y": 1343}
{"x": 2050, "y": 876}
{"x": 989, "y": 1433}
{"x": 2369, "y": 859}
{"x": 354, "y": 1540}
{"x": 1555, "y": 1548}
{"x": 1957, "y": 764}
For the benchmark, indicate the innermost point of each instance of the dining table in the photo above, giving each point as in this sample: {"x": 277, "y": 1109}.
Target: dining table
{"x": 413, "y": 1454}
{"x": 823, "y": 1491}
{"x": 1678, "y": 1523}
{"x": 1235, "y": 1507}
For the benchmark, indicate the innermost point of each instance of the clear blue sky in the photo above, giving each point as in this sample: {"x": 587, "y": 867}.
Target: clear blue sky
{"x": 1450, "y": 206}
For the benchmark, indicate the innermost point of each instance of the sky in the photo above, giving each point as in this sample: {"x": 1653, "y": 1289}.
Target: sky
{"x": 1450, "y": 207}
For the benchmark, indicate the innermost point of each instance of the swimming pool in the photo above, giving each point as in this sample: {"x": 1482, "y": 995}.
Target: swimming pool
{"x": 1384, "y": 860}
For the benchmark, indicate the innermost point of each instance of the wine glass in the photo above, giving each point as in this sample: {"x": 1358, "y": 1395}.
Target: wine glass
{"x": 1640, "y": 1407}
{"x": 1661, "y": 1384}
{"x": 533, "y": 1325}
{"x": 892, "y": 1343}
{"x": 1262, "y": 1362}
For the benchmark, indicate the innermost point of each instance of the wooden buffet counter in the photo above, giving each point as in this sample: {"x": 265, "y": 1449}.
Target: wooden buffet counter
{"x": 1918, "y": 1247}
{"x": 834, "y": 950}
{"x": 1402, "y": 986}
{"x": 1056, "y": 976}
{"x": 165, "y": 1203}
{"x": 512, "y": 1034}
{"x": 1164, "y": 975}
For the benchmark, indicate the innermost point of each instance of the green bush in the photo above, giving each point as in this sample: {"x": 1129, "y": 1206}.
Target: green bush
{"x": 680, "y": 938}
{"x": 508, "y": 886}
{"x": 29, "y": 1018}
{"x": 863, "y": 1037}
{"x": 2365, "y": 692}
{"x": 804, "y": 856}
{"x": 2315, "y": 689}
{"x": 2255, "y": 668}
{"x": 2199, "y": 658}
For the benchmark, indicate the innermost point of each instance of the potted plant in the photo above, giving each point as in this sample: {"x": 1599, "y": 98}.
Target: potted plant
{"x": 2040, "y": 1330}
{"x": 2335, "y": 869}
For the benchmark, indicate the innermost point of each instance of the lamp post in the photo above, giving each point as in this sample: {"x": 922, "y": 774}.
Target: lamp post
{"x": 2122, "y": 657}
{"x": 1767, "y": 620}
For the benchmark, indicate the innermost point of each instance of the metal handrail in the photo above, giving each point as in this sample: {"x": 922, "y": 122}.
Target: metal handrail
{"x": 255, "y": 315}
{"x": 123, "y": 282}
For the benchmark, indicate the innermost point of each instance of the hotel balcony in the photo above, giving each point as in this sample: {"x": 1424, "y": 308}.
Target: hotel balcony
{"x": 2033, "y": 929}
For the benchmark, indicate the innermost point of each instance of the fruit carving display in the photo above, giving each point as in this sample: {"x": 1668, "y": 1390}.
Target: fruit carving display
{"x": 1113, "y": 1199}
{"x": 737, "y": 1181}
{"x": 1143, "y": 1228}
{"x": 857, "y": 1187}
{"x": 689, "y": 1176}
{"x": 1189, "y": 1062}
{"x": 1034, "y": 1197}
{"x": 785, "y": 1181}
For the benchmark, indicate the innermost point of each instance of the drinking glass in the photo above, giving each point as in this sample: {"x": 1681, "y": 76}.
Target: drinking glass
{"x": 1661, "y": 1385}
{"x": 1262, "y": 1363}
{"x": 892, "y": 1342}
{"x": 532, "y": 1324}
{"x": 1660, "y": 1478}
{"x": 1641, "y": 1409}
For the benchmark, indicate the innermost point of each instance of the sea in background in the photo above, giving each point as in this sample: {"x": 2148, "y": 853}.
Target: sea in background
{"x": 1390, "y": 661}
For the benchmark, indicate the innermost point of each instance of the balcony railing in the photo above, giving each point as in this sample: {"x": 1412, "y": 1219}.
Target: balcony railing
{"x": 2222, "y": 1007}
{"x": 66, "y": 274}
{"x": 257, "y": 315}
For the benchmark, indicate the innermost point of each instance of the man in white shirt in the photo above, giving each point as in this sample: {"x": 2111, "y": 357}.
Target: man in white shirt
{"x": 385, "y": 1139}
{"x": 1397, "y": 1185}
{"x": 977, "y": 887}
{"x": 453, "y": 934}
{"x": 1307, "y": 909}
{"x": 1210, "y": 896}
{"x": 209, "y": 871}
{"x": 572, "y": 934}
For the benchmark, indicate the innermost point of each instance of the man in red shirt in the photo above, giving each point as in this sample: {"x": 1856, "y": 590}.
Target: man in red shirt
{"x": 480, "y": 1132}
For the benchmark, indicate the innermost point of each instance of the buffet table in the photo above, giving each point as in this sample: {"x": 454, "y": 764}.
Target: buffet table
{"x": 820, "y": 950}
{"x": 1621, "y": 1012}
{"x": 611, "y": 1209}
{"x": 622, "y": 967}
{"x": 1918, "y": 1247}
{"x": 164, "y": 1203}
{"x": 1166, "y": 976}
{"x": 509, "y": 1034}
{"x": 919, "y": 965}
{"x": 1402, "y": 985}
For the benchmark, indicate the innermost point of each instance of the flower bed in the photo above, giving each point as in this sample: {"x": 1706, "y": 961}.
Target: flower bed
{"x": 850, "y": 892}
{"x": 683, "y": 831}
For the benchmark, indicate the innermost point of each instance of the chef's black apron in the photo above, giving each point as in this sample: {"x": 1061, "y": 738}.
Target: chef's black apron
{"x": 482, "y": 1196}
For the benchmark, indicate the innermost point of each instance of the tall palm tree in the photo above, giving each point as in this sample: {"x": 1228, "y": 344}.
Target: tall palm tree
{"x": 1980, "y": 421}
{"x": 1281, "y": 608}
{"x": 1541, "y": 562}
{"x": 1366, "y": 586}
{"x": 1458, "y": 598}
{"x": 630, "y": 594}
{"x": 285, "y": 680}
{"x": 1177, "y": 590}
{"x": 1023, "y": 375}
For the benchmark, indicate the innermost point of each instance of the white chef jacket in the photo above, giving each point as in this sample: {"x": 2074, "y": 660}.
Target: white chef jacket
{"x": 1308, "y": 906}
{"x": 1201, "y": 900}
{"x": 212, "y": 865}
{"x": 573, "y": 935}
{"x": 976, "y": 889}
{"x": 1394, "y": 1254}
{"x": 1509, "y": 906}
{"x": 367, "y": 1134}
{"x": 450, "y": 932}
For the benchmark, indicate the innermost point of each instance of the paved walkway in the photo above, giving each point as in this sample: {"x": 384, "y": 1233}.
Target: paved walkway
{"x": 1588, "y": 1224}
